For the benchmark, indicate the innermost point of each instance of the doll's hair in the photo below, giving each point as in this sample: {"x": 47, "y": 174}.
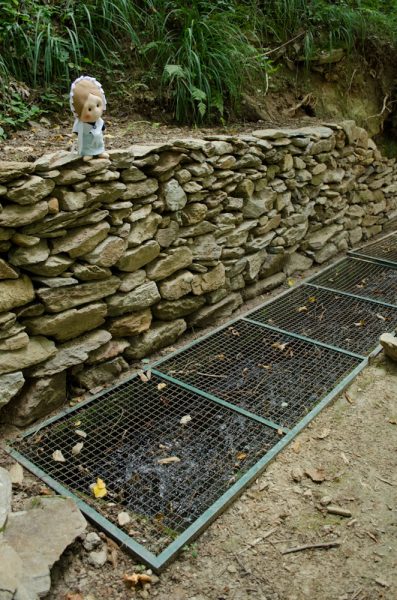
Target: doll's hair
{"x": 79, "y": 91}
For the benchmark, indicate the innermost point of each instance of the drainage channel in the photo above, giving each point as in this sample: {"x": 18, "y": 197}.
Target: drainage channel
{"x": 174, "y": 451}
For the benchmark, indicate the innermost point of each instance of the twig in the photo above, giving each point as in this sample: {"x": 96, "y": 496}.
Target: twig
{"x": 285, "y": 43}
{"x": 211, "y": 375}
{"x": 351, "y": 81}
{"x": 311, "y": 546}
{"x": 384, "y": 107}
{"x": 385, "y": 481}
{"x": 336, "y": 510}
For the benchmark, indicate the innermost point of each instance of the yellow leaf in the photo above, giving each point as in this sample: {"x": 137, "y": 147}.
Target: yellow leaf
{"x": 99, "y": 488}
{"x": 161, "y": 386}
{"x": 312, "y": 299}
{"x": 241, "y": 455}
{"x": 290, "y": 281}
{"x": 301, "y": 309}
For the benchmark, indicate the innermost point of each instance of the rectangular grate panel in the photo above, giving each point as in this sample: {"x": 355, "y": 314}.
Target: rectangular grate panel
{"x": 127, "y": 431}
{"x": 273, "y": 375}
{"x": 384, "y": 249}
{"x": 352, "y": 324}
{"x": 361, "y": 278}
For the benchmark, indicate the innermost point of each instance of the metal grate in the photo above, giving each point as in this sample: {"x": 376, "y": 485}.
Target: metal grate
{"x": 127, "y": 431}
{"x": 384, "y": 250}
{"x": 273, "y": 375}
{"x": 352, "y": 324}
{"x": 361, "y": 278}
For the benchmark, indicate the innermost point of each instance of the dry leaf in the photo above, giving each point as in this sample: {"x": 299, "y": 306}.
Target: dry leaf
{"x": 312, "y": 299}
{"x": 148, "y": 374}
{"x": 77, "y": 448}
{"x": 99, "y": 488}
{"x": 77, "y": 423}
{"x": 234, "y": 331}
{"x": 161, "y": 386}
{"x": 71, "y": 596}
{"x": 348, "y": 398}
{"x": 381, "y": 317}
{"x": 301, "y": 309}
{"x": 360, "y": 323}
{"x": 137, "y": 578}
{"x": 80, "y": 433}
{"x": 279, "y": 345}
{"x": 280, "y": 432}
{"x": 220, "y": 356}
{"x": 290, "y": 281}
{"x": 58, "y": 456}
{"x": 45, "y": 491}
{"x": 296, "y": 446}
{"x": 143, "y": 377}
{"x": 241, "y": 455}
{"x": 123, "y": 518}
{"x": 185, "y": 420}
{"x": 169, "y": 460}
{"x": 316, "y": 475}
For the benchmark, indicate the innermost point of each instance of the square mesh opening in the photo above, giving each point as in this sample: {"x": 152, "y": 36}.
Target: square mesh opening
{"x": 273, "y": 375}
{"x": 349, "y": 323}
{"x": 361, "y": 278}
{"x": 132, "y": 427}
{"x": 385, "y": 249}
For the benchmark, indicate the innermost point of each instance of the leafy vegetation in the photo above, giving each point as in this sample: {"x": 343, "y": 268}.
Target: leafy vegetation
{"x": 202, "y": 55}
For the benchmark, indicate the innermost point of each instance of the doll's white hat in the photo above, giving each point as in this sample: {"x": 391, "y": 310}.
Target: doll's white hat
{"x": 95, "y": 82}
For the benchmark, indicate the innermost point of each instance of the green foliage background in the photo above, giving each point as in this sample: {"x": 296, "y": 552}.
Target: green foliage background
{"x": 202, "y": 55}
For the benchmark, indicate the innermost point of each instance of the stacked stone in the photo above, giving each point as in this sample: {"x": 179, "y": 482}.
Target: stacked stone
{"x": 104, "y": 262}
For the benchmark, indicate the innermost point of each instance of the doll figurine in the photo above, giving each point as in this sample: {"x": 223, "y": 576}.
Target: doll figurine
{"x": 87, "y": 101}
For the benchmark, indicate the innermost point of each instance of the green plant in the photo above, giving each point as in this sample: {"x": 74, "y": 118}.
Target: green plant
{"x": 16, "y": 113}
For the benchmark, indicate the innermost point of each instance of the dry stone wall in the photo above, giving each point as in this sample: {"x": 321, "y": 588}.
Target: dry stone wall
{"x": 104, "y": 262}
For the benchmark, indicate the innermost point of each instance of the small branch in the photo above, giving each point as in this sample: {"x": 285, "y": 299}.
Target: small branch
{"x": 385, "y": 481}
{"x": 311, "y": 547}
{"x": 285, "y": 43}
{"x": 211, "y": 375}
{"x": 384, "y": 107}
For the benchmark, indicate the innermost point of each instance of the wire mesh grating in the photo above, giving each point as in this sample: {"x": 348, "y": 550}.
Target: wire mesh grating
{"x": 361, "y": 278}
{"x": 164, "y": 453}
{"x": 353, "y": 324}
{"x": 384, "y": 249}
{"x": 272, "y": 375}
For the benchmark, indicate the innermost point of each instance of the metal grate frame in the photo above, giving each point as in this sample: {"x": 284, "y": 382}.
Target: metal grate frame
{"x": 383, "y": 250}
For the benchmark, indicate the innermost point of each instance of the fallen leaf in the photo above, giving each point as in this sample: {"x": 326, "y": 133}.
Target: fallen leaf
{"x": 123, "y": 518}
{"x": 296, "y": 446}
{"x": 77, "y": 423}
{"x": 280, "y": 432}
{"x": 161, "y": 386}
{"x": 301, "y": 309}
{"x": 381, "y": 317}
{"x": 360, "y": 323}
{"x": 220, "y": 356}
{"x": 241, "y": 455}
{"x": 324, "y": 433}
{"x": 16, "y": 473}
{"x": 348, "y": 398}
{"x": 80, "y": 433}
{"x": 74, "y": 597}
{"x": 143, "y": 377}
{"x": 45, "y": 491}
{"x": 185, "y": 420}
{"x": 137, "y": 578}
{"x": 290, "y": 281}
{"x": 267, "y": 367}
{"x": 234, "y": 331}
{"x": 279, "y": 345}
{"x": 169, "y": 460}
{"x": 77, "y": 448}
{"x": 392, "y": 421}
{"x": 149, "y": 374}
{"x": 99, "y": 488}
{"x": 312, "y": 299}
{"x": 316, "y": 475}
{"x": 58, "y": 456}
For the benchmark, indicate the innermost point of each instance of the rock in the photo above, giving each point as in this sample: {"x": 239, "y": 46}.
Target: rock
{"x": 16, "y": 474}
{"x": 10, "y": 385}
{"x": 297, "y": 262}
{"x": 140, "y": 189}
{"x": 15, "y": 342}
{"x": 176, "y": 286}
{"x": 71, "y": 201}
{"x": 193, "y": 213}
{"x": 273, "y": 264}
{"x": 6, "y": 271}
{"x": 167, "y": 162}
{"x": 107, "y": 253}
{"x": 263, "y": 285}
{"x": 81, "y": 240}
{"x": 326, "y": 253}
{"x": 59, "y": 299}
{"x": 210, "y": 281}
{"x": 17, "y": 216}
{"x": 11, "y": 575}
{"x": 253, "y": 266}
{"x": 90, "y": 272}
{"x": 98, "y": 559}
{"x": 99, "y": 375}
{"x": 159, "y": 336}
{"x": 106, "y": 192}
{"x": 297, "y": 474}
{"x": 389, "y": 345}
{"x": 53, "y": 266}
{"x": 129, "y": 281}
{"x": 132, "y": 175}
{"x": 174, "y": 309}
{"x": 167, "y": 235}
{"x": 109, "y": 350}
{"x": 174, "y": 261}
{"x": 141, "y": 297}
{"x": 205, "y": 248}
{"x": 135, "y": 258}
{"x": 318, "y": 239}
{"x": 131, "y": 324}
{"x": 260, "y": 203}
{"x": 5, "y": 497}
{"x": 31, "y": 190}
{"x": 28, "y": 256}
{"x": 208, "y": 314}
{"x": 38, "y": 398}
{"x": 92, "y": 541}
{"x": 36, "y": 351}
{"x": 71, "y": 353}
{"x": 55, "y": 160}
{"x": 38, "y": 545}
{"x": 174, "y": 196}
{"x": 70, "y": 323}
{"x": 144, "y": 230}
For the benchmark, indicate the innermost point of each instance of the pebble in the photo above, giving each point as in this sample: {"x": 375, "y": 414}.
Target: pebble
{"x": 297, "y": 474}
{"x": 98, "y": 558}
{"x": 92, "y": 541}
{"x": 325, "y": 500}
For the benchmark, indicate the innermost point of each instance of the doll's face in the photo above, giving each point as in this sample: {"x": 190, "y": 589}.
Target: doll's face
{"x": 92, "y": 109}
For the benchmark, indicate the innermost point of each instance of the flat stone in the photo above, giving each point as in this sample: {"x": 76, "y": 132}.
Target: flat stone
{"x": 59, "y": 299}
{"x": 164, "y": 267}
{"x": 15, "y": 292}
{"x": 259, "y": 203}
{"x": 52, "y": 267}
{"x": 5, "y": 497}
{"x": 38, "y": 545}
{"x": 10, "y": 385}
{"x": 31, "y": 190}
{"x": 195, "y": 230}
{"x": 389, "y": 345}
{"x": 90, "y": 272}
{"x": 206, "y": 248}
{"x": 129, "y": 281}
{"x": 130, "y": 324}
{"x": 140, "y": 189}
{"x": 210, "y": 281}
{"x": 273, "y": 264}
{"x": 29, "y": 256}
{"x": 167, "y": 161}
{"x": 108, "y": 351}
{"x": 158, "y": 336}
{"x": 174, "y": 195}
{"x": 68, "y": 177}
{"x": 102, "y": 374}
{"x": 26, "y": 241}
{"x": 144, "y": 230}
{"x": 135, "y": 258}
{"x": 6, "y": 271}
{"x": 15, "y": 342}
{"x": 17, "y": 216}
{"x": 168, "y": 310}
{"x": 318, "y": 239}
{"x": 107, "y": 253}
{"x": 314, "y": 132}
{"x": 37, "y": 399}
{"x": 81, "y": 240}
{"x": 176, "y": 286}
{"x": 297, "y": 262}
{"x": 263, "y": 285}
{"x": 254, "y": 264}
{"x": 12, "y": 170}
{"x": 193, "y": 213}
{"x": 71, "y": 200}
{"x": 37, "y": 350}
{"x": 167, "y": 235}
{"x": 55, "y": 160}
{"x": 11, "y": 575}
{"x": 132, "y": 175}
{"x": 327, "y": 252}
{"x": 70, "y": 323}
{"x": 106, "y": 192}
{"x": 208, "y": 314}
{"x": 141, "y": 297}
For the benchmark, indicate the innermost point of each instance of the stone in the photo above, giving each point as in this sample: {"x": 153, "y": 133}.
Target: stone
{"x": 169, "y": 310}
{"x": 30, "y": 190}
{"x": 39, "y": 546}
{"x": 245, "y": 188}
{"x": 52, "y": 267}
{"x": 318, "y": 239}
{"x": 333, "y": 176}
{"x": 388, "y": 342}
{"x": 70, "y": 323}
{"x": 10, "y": 385}
{"x": 132, "y": 175}
{"x": 208, "y": 314}
{"x": 209, "y": 282}
{"x": 260, "y": 203}
{"x": 102, "y": 374}
{"x": 37, "y": 399}
{"x": 36, "y": 351}
{"x": 327, "y": 252}
{"x": 11, "y": 575}
{"x": 28, "y": 256}
{"x": 6, "y": 271}
{"x": 108, "y": 351}
{"x": 90, "y": 272}
{"x": 17, "y": 216}
{"x": 263, "y": 285}
{"x": 165, "y": 236}
{"x": 129, "y": 281}
{"x": 174, "y": 261}
{"x": 176, "y": 286}
{"x": 135, "y": 258}
{"x": 254, "y": 264}
{"x": 98, "y": 558}
{"x": 130, "y": 324}
{"x": 297, "y": 262}
{"x": 68, "y": 177}
{"x": 273, "y": 264}
{"x": 26, "y": 241}
{"x": 158, "y": 336}
{"x": 70, "y": 201}
{"x": 7, "y": 320}
{"x": 72, "y": 353}
{"x": 92, "y": 541}
{"x": 174, "y": 195}
{"x": 55, "y": 160}
{"x": 82, "y": 240}
{"x": 141, "y": 297}
{"x": 205, "y": 248}
{"x": 59, "y": 299}
{"x": 196, "y": 230}
{"x": 106, "y": 192}
{"x": 15, "y": 292}
{"x": 193, "y": 213}
{"x": 167, "y": 162}
{"x": 15, "y": 342}
{"x": 144, "y": 230}
{"x": 313, "y": 132}
{"x": 240, "y": 234}
{"x": 140, "y": 189}
{"x": 107, "y": 253}
{"x": 5, "y": 498}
